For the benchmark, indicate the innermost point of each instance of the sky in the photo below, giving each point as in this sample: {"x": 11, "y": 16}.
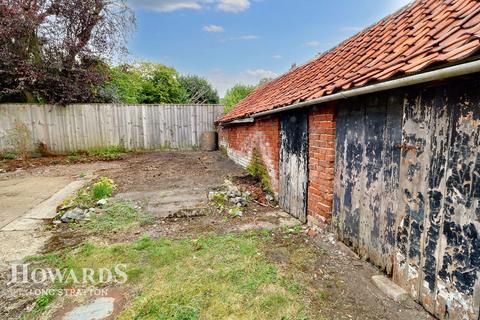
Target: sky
{"x": 244, "y": 41}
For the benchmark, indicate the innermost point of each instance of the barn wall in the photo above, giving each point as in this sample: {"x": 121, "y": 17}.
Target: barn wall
{"x": 241, "y": 140}
{"x": 407, "y": 190}
{"x": 321, "y": 150}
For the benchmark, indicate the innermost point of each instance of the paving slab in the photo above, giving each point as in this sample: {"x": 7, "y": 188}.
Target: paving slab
{"x": 389, "y": 288}
{"x": 18, "y": 196}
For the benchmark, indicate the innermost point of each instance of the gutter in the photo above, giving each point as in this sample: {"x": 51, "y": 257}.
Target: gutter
{"x": 440, "y": 74}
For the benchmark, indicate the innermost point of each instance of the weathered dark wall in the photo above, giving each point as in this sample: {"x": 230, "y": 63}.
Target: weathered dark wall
{"x": 294, "y": 163}
{"x": 408, "y": 186}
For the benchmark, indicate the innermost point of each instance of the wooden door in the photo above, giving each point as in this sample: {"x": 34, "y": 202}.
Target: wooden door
{"x": 294, "y": 164}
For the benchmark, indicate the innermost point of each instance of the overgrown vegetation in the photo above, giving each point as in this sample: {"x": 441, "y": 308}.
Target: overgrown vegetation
{"x": 88, "y": 195}
{"x": 119, "y": 215}
{"x": 257, "y": 168}
{"x": 211, "y": 277}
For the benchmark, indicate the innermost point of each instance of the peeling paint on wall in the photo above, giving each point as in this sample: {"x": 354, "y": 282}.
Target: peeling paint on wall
{"x": 413, "y": 209}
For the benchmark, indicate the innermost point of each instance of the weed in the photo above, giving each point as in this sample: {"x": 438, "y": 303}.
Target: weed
{"x": 41, "y": 304}
{"x": 119, "y": 215}
{"x": 102, "y": 189}
{"x": 109, "y": 152}
{"x": 218, "y": 199}
{"x": 212, "y": 277}
{"x": 257, "y": 168}
{"x": 73, "y": 158}
{"x": 9, "y": 155}
{"x": 223, "y": 151}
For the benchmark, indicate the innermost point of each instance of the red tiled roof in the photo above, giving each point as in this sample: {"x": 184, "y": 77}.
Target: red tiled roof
{"x": 419, "y": 35}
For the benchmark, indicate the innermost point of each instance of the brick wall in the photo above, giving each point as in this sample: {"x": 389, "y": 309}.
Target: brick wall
{"x": 321, "y": 164}
{"x": 241, "y": 139}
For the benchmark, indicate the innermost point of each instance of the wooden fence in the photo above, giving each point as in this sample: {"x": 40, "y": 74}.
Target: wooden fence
{"x": 87, "y": 126}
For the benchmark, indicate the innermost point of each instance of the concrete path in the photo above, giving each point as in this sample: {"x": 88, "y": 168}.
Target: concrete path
{"x": 25, "y": 204}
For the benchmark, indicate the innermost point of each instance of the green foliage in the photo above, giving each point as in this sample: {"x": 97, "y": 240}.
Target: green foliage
{"x": 9, "y": 155}
{"x": 257, "y": 168}
{"x": 125, "y": 85}
{"x": 112, "y": 151}
{"x": 143, "y": 83}
{"x": 211, "y": 277}
{"x": 102, "y": 189}
{"x": 119, "y": 215}
{"x": 198, "y": 90}
{"x": 235, "y": 95}
{"x": 161, "y": 85}
{"x": 41, "y": 304}
{"x": 88, "y": 195}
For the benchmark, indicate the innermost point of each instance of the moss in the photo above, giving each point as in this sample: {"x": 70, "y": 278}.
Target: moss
{"x": 257, "y": 168}
{"x": 223, "y": 151}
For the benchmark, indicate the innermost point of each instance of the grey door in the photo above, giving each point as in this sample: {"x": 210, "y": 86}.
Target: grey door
{"x": 294, "y": 164}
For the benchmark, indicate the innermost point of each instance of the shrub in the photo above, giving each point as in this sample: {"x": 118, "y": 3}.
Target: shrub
{"x": 104, "y": 188}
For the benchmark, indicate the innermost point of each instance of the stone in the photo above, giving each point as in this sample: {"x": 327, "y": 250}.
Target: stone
{"x": 99, "y": 309}
{"x": 102, "y": 202}
{"x": 73, "y": 215}
{"x": 269, "y": 197}
{"x": 312, "y": 233}
{"x": 239, "y": 201}
{"x": 390, "y": 289}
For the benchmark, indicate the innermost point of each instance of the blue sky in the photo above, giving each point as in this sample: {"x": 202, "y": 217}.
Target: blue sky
{"x": 243, "y": 41}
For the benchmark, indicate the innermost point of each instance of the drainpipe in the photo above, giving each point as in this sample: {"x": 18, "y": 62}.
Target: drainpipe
{"x": 440, "y": 74}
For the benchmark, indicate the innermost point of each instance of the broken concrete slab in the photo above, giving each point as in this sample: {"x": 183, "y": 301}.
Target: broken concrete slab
{"x": 44, "y": 210}
{"x": 390, "y": 289}
{"x": 99, "y": 309}
{"x": 19, "y": 195}
{"x": 16, "y": 245}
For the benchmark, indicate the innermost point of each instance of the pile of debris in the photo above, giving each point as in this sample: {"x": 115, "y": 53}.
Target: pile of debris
{"x": 233, "y": 197}
{"x": 77, "y": 214}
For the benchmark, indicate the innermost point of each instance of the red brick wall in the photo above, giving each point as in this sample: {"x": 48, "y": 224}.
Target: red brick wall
{"x": 321, "y": 164}
{"x": 264, "y": 135}
{"x": 241, "y": 139}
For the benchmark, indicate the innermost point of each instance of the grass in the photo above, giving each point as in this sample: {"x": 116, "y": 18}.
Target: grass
{"x": 211, "y": 277}
{"x": 88, "y": 195}
{"x": 9, "y": 155}
{"x": 106, "y": 152}
{"x": 119, "y": 215}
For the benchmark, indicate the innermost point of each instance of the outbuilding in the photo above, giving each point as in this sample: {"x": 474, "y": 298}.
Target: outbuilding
{"x": 380, "y": 138}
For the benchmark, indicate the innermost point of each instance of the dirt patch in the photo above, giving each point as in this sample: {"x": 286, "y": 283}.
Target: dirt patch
{"x": 336, "y": 284}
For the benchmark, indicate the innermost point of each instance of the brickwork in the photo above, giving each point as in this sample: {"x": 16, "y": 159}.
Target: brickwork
{"x": 321, "y": 164}
{"x": 240, "y": 141}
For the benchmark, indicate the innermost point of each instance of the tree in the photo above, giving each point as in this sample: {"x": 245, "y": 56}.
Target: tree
{"x": 53, "y": 50}
{"x": 236, "y": 94}
{"x": 160, "y": 84}
{"x": 125, "y": 85}
{"x": 198, "y": 90}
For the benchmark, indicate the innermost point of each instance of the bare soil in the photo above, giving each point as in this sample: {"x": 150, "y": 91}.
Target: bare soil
{"x": 182, "y": 180}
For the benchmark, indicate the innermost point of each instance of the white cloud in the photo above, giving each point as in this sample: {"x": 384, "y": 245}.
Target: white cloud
{"x": 212, "y": 28}
{"x": 173, "y": 5}
{"x": 394, "y": 5}
{"x": 222, "y": 81}
{"x": 277, "y": 56}
{"x": 233, "y": 5}
{"x": 246, "y": 37}
{"x": 166, "y": 5}
{"x": 261, "y": 73}
{"x": 351, "y": 29}
{"x": 313, "y": 43}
